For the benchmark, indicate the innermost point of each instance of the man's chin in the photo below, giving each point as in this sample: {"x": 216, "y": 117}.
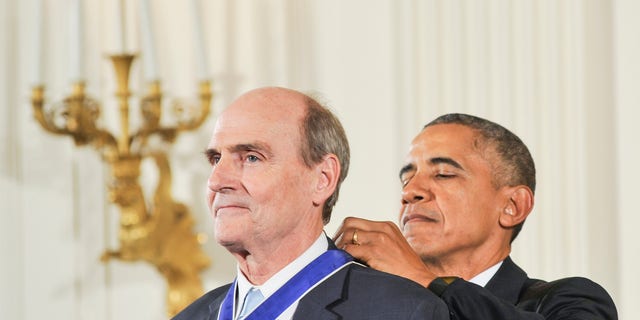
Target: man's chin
{"x": 414, "y": 236}
{"x": 227, "y": 240}
{"x": 420, "y": 245}
{"x": 234, "y": 246}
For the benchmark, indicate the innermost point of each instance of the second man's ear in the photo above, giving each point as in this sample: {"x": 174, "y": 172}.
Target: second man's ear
{"x": 518, "y": 206}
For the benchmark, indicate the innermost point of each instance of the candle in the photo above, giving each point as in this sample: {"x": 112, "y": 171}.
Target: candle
{"x": 121, "y": 39}
{"x": 201, "y": 52}
{"x": 75, "y": 41}
{"x": 37, "y": 44}
{"x": 148, "y": 45}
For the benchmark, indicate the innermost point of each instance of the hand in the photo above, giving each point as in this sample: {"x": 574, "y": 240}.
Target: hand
{"x": 382, "y": 246}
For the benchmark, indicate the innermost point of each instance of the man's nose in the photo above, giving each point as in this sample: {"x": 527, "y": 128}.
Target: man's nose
{"x": 223, "y": 176}
{"x": 417, "y": 189}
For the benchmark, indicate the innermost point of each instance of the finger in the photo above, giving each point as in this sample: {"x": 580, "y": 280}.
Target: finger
{"x": 368, "y": 252}
{"x": 372, "y": 252}
{"x": 348, "y": 236}
{"x": 359, "y": 237}
{"x": 347, "y": 223}
{"x": 339, "y": 239}
{"x": 339, "y": 233}
{"x": 358, "y": 251}
{"x": 351, "y": 223}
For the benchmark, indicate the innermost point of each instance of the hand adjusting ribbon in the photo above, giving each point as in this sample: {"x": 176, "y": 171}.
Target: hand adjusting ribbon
{"x": 292, "y": 290}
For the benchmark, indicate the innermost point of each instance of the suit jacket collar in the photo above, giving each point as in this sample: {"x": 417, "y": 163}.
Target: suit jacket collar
{"x": 507, "y": 283}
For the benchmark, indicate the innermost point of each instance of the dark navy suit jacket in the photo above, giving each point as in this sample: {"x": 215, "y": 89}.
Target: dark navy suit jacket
{"x": 354, "y": 292}
{"x": 512, "y": 295}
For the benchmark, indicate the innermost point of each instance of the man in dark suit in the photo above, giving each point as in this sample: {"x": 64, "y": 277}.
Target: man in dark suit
{"x": 277, "y": 161}
{"x": 467, "y": 188}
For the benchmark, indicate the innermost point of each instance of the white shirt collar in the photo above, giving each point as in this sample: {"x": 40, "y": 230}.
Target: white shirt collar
{"x": 483, "y": 277}
{"x": 281, "y": 277}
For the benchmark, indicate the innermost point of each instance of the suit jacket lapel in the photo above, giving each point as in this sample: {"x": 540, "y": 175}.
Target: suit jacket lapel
{"x": 507, "y": 283}
{"x": 319, "y": 302}
{"x": 214, "y": 306}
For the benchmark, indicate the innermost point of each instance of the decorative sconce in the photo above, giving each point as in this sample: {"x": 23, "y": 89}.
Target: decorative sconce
{"x": 162, "y": 233}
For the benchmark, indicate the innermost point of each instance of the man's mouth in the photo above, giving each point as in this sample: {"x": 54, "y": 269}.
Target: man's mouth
{"x": 412, "y": 217}
{"x": 222, "y": 205}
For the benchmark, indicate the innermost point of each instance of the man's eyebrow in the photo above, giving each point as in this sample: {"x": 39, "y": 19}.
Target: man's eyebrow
{"x": 253, "y": 146}
{"x": 444, "y": 160}
{"x": 210, "y": 153}
{"x": 434, "y": 161}
{"x": 242, "y": 147}
{"x": 407, "y": 168}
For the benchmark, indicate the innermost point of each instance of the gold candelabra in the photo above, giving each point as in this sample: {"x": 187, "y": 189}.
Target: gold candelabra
{"x": 161, "y": 235}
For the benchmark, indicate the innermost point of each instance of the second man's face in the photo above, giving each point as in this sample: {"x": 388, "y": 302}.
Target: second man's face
{"x": 449, "y": 205}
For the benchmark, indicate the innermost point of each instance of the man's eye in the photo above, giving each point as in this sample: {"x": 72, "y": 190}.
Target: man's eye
{"x": 444, "y": 176}
{"x": 252, "y": 158}
{"x": 405, "y": 181}
{"x": 214, "y": 159}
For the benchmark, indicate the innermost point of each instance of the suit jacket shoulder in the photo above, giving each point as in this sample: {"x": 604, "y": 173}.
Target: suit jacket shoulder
{"x": 358, "y": 292}
{"x": 512, "y": 295}
{"x": 564, "y": 298}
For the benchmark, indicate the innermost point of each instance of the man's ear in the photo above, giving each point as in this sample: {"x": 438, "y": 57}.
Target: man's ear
{"x": 517, "y": 207}
{"x": 327, "y": 173}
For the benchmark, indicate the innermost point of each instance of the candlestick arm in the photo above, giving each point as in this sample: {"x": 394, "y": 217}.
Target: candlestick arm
{"x": 188, "y": 116}
{"x": 192, "y": 117}
{"x": 74, "y": 116}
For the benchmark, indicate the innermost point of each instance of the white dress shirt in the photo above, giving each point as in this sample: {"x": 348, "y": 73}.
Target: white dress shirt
{"x": 281, "y": 277}
{"x": 483, "y": 277}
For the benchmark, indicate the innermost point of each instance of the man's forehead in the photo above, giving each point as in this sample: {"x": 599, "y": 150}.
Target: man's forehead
{"x": 445, "y": 137}
{"x": 454, "y": 143}
{"x": 260, "y": 116}
{"x": 270, "y": 100}
{"x": 251, "y": 130}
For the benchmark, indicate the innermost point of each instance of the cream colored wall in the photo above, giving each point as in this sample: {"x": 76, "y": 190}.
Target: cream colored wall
{"x": 561, "y": 74}
{"x": 627, "y": 171}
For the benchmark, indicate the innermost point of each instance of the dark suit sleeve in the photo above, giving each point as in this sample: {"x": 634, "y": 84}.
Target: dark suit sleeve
{"x": 430, "y": 311}
{"x": 565, "y": 299}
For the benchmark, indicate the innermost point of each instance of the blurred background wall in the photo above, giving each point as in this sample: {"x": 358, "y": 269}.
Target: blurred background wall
{"x": 563, "y": 75}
